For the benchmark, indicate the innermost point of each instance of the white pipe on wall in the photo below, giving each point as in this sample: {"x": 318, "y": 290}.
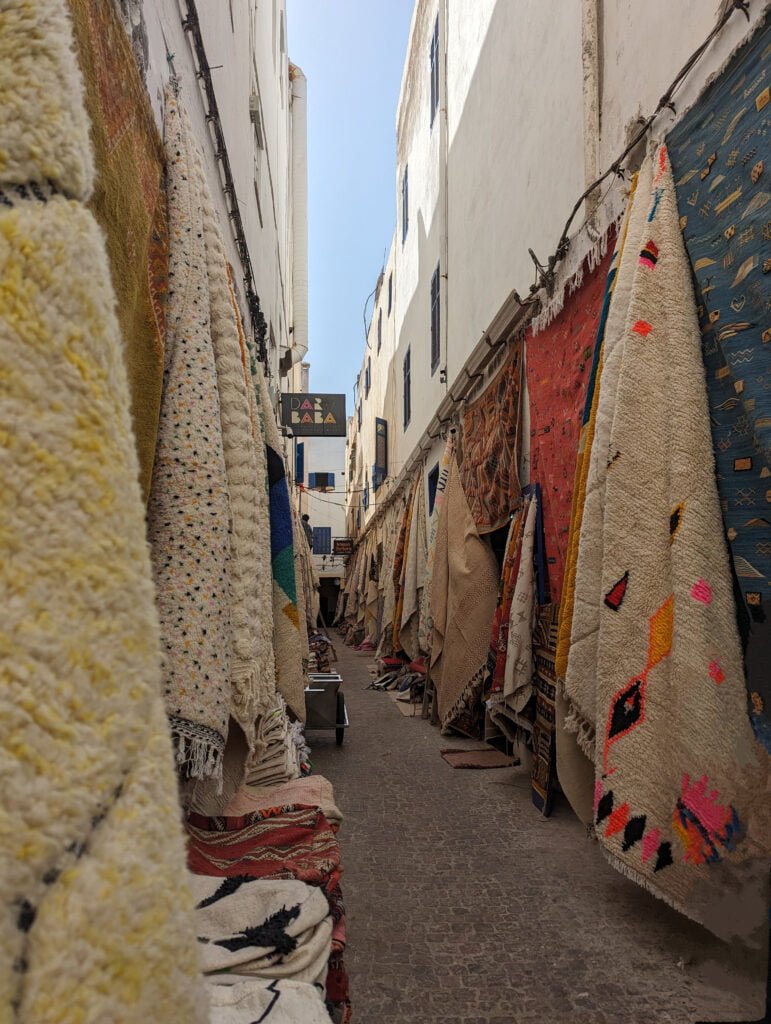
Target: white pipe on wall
{"x": 299, "y": 214}
{"x": 591, "y": 44}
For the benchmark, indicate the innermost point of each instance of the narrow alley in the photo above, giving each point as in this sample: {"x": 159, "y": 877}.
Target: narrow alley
{"x": 464, "y": 905}
{"x": 385, "y": 530}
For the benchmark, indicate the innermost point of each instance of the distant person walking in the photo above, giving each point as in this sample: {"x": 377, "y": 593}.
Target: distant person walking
{"x": 308, "y": 530}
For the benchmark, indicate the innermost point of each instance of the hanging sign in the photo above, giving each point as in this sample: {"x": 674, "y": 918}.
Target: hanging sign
{"x": 314, "y": 415}
{"x": 342, "y": 546}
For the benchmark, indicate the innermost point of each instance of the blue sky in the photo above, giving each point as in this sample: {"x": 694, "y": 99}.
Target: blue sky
{"x": 352, "y": 53}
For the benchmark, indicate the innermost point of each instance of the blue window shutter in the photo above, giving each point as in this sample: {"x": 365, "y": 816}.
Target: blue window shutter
{"x": 299, "y": 468}
{"x": 311, "y": 479}
{"x": 322, "y": 540}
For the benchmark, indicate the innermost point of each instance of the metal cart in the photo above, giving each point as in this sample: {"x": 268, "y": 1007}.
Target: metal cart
{"x": 325, "y": 704}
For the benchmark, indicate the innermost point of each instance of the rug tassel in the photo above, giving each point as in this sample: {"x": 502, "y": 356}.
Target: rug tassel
{"x": 200, "y": 759}
{"x": 584, "y": 731}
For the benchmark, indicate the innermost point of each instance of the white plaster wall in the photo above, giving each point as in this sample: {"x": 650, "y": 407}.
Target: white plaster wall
{"x": 515, "y": 165}
{"x": 383, "y": 400}
{"x": 245, "y": 55}
{"x": 418, "y": 147}
{"x": 516, "y": 156}
{"x": 645, "y": 45}
{"x": 326, "y": 455}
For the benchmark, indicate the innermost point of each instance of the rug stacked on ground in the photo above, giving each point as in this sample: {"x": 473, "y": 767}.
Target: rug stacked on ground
{"x": 281, "y": 833}
{"x": 655, "y": 677}
{"x": 265, "y": 947}
{"x": 723, "y": 197}
{"x": 280, "y": 1002}
{"x": 96, "y": 918}
{"x": 249, "y": 928}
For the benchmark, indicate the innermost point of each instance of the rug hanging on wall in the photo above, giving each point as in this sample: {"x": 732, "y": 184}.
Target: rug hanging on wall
{"x": 662, "y": 712}
{"x": 400, "y": 566}
{"x": 543, "y": 778}
{"x": 189, "y": 512}
{"x": 287, "y": 638}
{"x": 414, "y": 571}
{"x": 575, "y": 770}
{"x": 499, "y": 634}
{"x": 559, "y": 363}
{"x": 463, "y": 599}
{"x": 724, "y": 196}
{"x": 426, "y": 626}
{"x": 129, "y": 204}
{"x": 95, "y": 909}
{"x": 490, "y": 447}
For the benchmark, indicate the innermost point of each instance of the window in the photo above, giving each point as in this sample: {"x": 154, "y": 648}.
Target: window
{"x": 434, "y": 58}
{"x": 380, "y": 468}
{"x": 405, "y": 203}
{"x": 320, "y": 481}
{"x": 322, "y": 540}
{"x": 368, "y": 376}
{"x": 390, "y": 292}
{"x": 435, "y": 323}
{"x": 379, "y": 329}
{"x": 433, "y": 480}
{"x": 299, "y": 463}
{"x": 365, "y": 495}
{"x": 406, "y": 392}
{"x": 358, "y": 415}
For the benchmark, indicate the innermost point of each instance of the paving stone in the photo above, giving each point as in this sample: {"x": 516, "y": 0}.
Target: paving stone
{"x": 465, "y": 905}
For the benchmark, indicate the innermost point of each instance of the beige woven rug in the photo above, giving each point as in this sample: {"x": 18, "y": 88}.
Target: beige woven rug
{"x": 662, "y": 705}
{"x": 464, "y": 593}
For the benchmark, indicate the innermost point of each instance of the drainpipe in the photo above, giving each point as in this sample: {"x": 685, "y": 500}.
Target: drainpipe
{"x": 444, "y": 275}
{"x": 591, "y": 47}
{"x": 299, "y": 214}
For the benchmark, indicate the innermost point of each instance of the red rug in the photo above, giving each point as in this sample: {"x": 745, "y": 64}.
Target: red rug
{"x": 282, "y": 842}
{"x": 559, "y": 362}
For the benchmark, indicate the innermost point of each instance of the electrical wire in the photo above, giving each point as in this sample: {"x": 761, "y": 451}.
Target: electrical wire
{"x": 545, "y": 276}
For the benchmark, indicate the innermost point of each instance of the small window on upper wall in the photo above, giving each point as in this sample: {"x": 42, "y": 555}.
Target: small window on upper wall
{"x": 390, "y": 292}
{"x": 358, "y": 415}
{"x": 433, "y": 481}
{"x": 379, "y": 329}
{"x": 435, "y": 323}
{"x": 406, "y": 391}
{"x": 434, "y": 61}
{"x": 368, "y": 377}
{"x": 405, "y": 203}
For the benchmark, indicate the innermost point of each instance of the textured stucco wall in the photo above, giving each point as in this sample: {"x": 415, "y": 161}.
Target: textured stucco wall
{"x": 246, "y": 56}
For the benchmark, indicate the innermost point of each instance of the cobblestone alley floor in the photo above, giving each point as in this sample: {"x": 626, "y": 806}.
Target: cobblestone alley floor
{"x": 464, "y": 905}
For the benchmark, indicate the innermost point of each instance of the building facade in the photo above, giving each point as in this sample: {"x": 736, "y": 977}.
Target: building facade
{"x": 506, "y": 114}
{"x": 234, "y": 54}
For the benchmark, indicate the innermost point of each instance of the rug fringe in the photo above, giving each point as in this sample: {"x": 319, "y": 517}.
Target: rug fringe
{"x": 200, "y": 758}
{"x": 571, "y": 274}
{"x": 472, "y": 688}
{"x": 583, "y": 729}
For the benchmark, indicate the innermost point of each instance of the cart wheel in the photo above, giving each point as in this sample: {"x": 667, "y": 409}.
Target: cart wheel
{"x": 340, "y": 730}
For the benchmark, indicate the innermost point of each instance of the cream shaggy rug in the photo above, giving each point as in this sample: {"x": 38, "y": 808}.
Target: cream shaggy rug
{"x": 95, "y": 912}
